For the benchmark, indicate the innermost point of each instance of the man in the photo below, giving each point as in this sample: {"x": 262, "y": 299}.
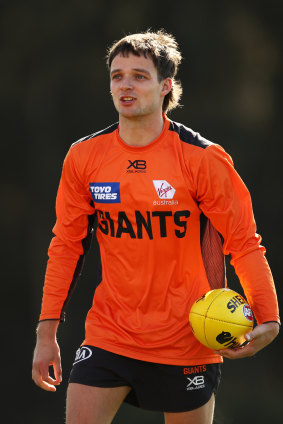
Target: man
{"x": 169, "y": 204}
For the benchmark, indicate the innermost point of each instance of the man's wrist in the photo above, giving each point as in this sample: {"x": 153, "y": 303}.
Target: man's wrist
{"x": 47, "y": 329}
{"x": 276, "y": 322}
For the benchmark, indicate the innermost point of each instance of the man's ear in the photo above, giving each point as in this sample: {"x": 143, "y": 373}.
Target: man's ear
{"x": 166, "y": 86}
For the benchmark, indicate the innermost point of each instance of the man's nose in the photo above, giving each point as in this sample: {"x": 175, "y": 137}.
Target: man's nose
{"x": 127, "y": 83}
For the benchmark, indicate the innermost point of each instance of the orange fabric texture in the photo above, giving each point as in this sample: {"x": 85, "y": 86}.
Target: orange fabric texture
{"x": 149, "y": 202}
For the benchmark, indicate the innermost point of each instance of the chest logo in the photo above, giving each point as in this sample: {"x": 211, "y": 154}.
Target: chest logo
{"x": 105, "y": 192}
{"x": 163, "y": 189}
{"x": 137, "y": 166}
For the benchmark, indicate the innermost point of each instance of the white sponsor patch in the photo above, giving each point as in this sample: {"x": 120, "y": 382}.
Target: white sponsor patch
{"x": 163, "y": 189}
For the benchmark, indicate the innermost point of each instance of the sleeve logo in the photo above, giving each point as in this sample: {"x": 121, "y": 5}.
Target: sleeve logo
{"x": 105, "y": 192}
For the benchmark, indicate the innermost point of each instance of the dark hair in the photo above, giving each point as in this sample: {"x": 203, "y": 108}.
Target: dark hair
{"x": 163, "y": 50}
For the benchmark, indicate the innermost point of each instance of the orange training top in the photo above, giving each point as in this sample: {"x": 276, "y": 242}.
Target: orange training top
{"x": 167, "y": 213}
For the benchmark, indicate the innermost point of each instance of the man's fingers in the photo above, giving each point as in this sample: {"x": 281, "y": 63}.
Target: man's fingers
{"x": 44, "y": 384}
{"x": 41, "y": 377}
{"x": 237, "y": 353}
{"x": 47, "y": 386}
{"x": 57, "y": 371}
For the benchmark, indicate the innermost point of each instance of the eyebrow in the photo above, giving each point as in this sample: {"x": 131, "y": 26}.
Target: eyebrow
{"x": 144, "y": 71}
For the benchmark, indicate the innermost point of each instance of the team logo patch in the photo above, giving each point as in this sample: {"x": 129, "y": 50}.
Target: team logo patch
{"x": 82, "y": 353}
{"x": 163, "y": 189}
{"x": 105, "y": 192}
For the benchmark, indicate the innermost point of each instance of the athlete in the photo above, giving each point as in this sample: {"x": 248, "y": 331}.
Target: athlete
{"x": 169, "y": 205}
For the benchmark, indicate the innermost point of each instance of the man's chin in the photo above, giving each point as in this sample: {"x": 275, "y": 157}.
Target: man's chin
{"x": 130, "y": 114}
{"x": 134, "y": 114}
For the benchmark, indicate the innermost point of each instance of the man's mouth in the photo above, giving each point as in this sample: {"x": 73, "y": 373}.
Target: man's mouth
{"x": 127, "y": 99}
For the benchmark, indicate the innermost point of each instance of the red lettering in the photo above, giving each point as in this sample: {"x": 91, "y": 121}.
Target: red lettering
{"x": 195, "y": 370}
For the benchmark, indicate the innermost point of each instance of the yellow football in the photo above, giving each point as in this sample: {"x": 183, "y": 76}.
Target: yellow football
{"x": 220, "y": 318}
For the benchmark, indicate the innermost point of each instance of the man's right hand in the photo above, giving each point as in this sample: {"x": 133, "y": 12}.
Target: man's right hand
{"x": 47, "y": 353}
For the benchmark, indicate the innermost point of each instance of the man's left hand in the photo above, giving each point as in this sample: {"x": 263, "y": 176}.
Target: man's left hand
{"x": 257, "y": 339}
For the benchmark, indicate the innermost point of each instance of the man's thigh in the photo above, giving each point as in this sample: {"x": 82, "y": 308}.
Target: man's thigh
{"x": 93, "y": 405}
{"x": 202, "y": 415}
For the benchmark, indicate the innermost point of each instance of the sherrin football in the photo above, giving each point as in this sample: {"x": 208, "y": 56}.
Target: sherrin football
{"x": 220, "y": 318}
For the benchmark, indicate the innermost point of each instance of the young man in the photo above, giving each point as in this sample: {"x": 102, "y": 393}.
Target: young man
{"x": 169, "y": 205}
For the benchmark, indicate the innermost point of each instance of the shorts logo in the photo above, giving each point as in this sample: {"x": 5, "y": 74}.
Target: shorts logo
{"x": 164, "y": 189}
{"x": 82, "y": 353}
{"x": 195, "y": 383}
{"x": 105, "y": 192}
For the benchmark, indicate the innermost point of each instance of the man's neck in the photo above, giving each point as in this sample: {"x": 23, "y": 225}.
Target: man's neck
{"x": 140, "y": 131}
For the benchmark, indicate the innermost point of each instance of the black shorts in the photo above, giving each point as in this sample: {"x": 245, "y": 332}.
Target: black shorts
{"x": 156, "y": 387}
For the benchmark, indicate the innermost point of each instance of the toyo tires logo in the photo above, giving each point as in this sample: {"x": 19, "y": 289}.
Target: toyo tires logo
{"x": 105, "y": 192}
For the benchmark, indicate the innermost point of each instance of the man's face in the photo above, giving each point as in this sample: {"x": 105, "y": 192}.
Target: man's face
{"x": 135, "y": 88}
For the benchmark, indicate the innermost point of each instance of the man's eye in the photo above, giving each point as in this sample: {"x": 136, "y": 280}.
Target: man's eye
{"x": 140, "y": 76}
{"x": 115, "y": 77}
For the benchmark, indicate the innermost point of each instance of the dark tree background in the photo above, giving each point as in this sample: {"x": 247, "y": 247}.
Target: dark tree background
{"x": 55, "y": 89}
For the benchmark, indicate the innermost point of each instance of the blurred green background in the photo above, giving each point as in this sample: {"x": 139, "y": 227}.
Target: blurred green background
{"x": 55, "y": 89}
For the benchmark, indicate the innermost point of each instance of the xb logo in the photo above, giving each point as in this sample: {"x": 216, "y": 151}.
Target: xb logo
{"x": 195, "y": 383}
{"x": 137, "y": 164}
